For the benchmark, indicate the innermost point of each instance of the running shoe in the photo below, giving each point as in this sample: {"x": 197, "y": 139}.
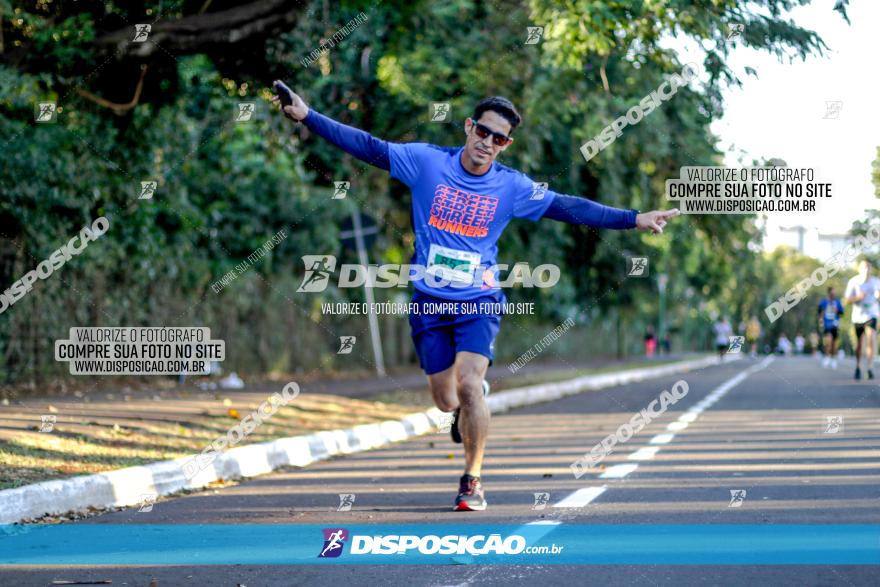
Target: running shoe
{"x": 470, "y": 495}
{"x": 453, "y": 429}
{"x": 858, "y": 374}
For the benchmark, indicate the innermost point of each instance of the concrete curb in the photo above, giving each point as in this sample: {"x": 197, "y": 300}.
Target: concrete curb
{"x": 127, "y": 487}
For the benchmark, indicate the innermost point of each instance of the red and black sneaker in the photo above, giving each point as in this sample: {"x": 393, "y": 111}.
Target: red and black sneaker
{"x": 470, "y": 495}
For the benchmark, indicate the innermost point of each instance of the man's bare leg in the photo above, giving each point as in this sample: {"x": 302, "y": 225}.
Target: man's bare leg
{"x": 470, "y": 370}
{"x": 869, "y": 351}
{"x": 442, "y": 387}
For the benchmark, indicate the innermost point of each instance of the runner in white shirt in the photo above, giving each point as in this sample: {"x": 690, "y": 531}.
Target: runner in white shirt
{"x": 784, "y": 345}
{"x": 863, "y": 291}
{"x": 723, "y": 331}
{"x": 799, "y": 343}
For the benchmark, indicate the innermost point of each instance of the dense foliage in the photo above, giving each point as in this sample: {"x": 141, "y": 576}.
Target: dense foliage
{"x": 165, "y": 111}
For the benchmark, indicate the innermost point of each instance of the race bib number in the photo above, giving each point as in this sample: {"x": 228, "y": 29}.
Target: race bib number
{"x": 452, "y": 264}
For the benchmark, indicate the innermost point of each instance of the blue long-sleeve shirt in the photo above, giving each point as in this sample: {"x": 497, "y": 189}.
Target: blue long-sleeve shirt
{"x": 353, "y": 141}
{"x": 458, "y": 216}
{"x": 369, "y": 149}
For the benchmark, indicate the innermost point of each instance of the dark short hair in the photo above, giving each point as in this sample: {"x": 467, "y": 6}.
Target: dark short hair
{"x": 502, "y": 106}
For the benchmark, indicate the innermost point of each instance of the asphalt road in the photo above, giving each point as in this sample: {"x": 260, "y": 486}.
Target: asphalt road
{"x": 768, "y": 434}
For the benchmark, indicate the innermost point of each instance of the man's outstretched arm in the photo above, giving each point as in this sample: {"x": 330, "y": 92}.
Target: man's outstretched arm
{"x": 574, "y": 210}
{"x": 353, "y": 141}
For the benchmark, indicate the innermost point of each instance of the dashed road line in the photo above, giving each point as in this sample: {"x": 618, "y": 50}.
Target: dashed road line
{"x": 581, "y": 497}
{"x": 584, "y": 496}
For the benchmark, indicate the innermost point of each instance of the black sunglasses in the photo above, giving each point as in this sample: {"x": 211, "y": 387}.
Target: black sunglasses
{"x": 498, "y": 139}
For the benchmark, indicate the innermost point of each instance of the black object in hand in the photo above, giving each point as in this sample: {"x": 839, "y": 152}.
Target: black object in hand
{"x": 284, "y": 93}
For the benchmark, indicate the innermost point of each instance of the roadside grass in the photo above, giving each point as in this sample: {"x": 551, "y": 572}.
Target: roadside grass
{"x": 102, "y": 436}
{"x": 138, "y": 434}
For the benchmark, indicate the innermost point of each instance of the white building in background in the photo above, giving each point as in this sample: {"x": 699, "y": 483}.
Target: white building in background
{"x": 809, "y": 240}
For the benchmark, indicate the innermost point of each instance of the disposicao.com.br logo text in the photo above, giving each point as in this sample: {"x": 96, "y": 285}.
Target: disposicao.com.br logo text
{"x": 394, "y": 544}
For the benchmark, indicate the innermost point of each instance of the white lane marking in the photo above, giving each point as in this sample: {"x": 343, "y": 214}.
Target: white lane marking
{"x": 581, "y": 497}
{"x": 662, "y": 439}
{"x": 691, "y": 415}
{"x": 618, "y": 471}
{"x": 645, "y": 453}
{"x": 728, "y": 385}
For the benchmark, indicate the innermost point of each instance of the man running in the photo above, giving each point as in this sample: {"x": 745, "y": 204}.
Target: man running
{"x": 723, "y": 332}
{"x": 862, "y": 292}
{"x": 830, "y": 311}
{"x": 753, "y": 333}
{"x": 462, "y": 200}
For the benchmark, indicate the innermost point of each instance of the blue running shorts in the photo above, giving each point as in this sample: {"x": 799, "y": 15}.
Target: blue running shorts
{"x": 439, "y": 332}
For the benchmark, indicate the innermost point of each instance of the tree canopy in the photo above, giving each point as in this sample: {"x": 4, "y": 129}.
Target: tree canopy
{"x": 164, "y": 110}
